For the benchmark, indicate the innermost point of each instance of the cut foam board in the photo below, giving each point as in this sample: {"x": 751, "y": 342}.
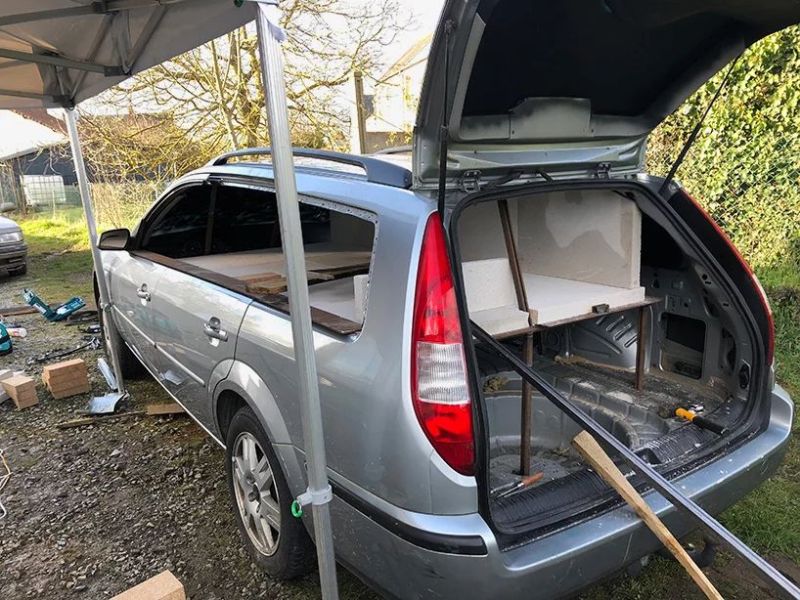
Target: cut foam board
{"x": 360, "y": 287}
{"x": 491, "y": 298}
{"x": 594, "y": 236}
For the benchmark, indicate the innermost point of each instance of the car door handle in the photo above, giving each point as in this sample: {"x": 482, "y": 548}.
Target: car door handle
{"x": 212, "y": 329}
{"x": 143, "y": 293}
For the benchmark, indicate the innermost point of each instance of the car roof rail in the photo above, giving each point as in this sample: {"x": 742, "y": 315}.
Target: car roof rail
{"x": 378, "y": 171}
{"x": 395, "y": 150}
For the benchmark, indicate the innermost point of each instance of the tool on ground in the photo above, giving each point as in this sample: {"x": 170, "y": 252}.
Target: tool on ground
{"x": 90, "y": 342}
{"x": 5, "y": 341}
{"x": 60, "y": 313}
{"x": 769, "y": 574}
{"x": 701, "y": 422}
{"x": 516, "y": 486}
{"x": 83, "y": 316}
{"x": 605, "y": 467}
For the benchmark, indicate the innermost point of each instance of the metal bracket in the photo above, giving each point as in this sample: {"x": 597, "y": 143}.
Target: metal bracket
{"x": 470, "y": 181}
{"x": 315, "y": 497}
{"x": 603, "y": 169}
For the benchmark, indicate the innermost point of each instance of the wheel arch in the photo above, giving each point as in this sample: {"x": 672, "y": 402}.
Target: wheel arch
{"x": 244, "y": 387}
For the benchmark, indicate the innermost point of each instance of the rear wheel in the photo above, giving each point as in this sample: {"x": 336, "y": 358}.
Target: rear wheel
{"x": 275, "y": 539}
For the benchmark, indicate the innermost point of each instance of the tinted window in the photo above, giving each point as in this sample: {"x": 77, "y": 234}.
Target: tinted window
{"x": 180, "y": 229}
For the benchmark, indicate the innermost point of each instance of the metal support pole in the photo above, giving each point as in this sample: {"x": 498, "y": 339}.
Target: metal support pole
{"x": 526, "y": 398}
{"x": 319, "y": 490}
{"x": 641, "y": 350}
{"x": 102, "y": 282}
{"x": 361, "y": 112}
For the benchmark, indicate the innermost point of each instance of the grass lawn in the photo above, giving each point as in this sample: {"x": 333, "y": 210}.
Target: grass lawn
{"x": 59, "y": 261}
{"x": 60, "y": 267}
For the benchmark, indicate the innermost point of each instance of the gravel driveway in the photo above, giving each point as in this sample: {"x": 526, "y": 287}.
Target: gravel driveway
{"x": 95, "y": 510}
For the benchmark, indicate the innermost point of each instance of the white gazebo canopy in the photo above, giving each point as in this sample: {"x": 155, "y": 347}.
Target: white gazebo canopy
{"x": 61, "y": 52}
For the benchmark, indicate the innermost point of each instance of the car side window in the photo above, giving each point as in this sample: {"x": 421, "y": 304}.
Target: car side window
{"x": 246, "y": 219}
{"x": 180, "y": 229}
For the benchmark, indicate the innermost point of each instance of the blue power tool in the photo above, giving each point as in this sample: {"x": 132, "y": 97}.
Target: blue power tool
{"x": 59, "y": 313}
{"x": 5, "y": 341}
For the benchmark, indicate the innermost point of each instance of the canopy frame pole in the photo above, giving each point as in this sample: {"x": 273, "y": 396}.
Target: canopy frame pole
{"x": 102, "y": 283}
{"x": 319, "y": 492}
{"x": 60, "y": 61}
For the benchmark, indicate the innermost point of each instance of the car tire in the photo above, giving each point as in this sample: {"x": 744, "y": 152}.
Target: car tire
{"x": 286, "y": 551}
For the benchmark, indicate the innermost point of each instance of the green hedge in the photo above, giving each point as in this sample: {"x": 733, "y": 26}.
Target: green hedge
{"x": 745, "y": 165}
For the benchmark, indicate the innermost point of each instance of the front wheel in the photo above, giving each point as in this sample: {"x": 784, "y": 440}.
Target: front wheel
{"x": 275, "y": 539}
{"x": 130, "y": 366}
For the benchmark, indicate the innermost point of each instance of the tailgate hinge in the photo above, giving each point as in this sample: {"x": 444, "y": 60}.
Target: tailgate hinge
{"x": 470, "y": 181}
{"x": 603, "y": 170}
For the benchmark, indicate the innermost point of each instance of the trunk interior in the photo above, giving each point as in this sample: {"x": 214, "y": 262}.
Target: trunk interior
{"x": 585, "y": 285}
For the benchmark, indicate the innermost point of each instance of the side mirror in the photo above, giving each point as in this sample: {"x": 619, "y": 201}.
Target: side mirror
{"x": 114, "y": 239}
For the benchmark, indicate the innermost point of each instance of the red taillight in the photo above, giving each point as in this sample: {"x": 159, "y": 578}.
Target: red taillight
{"x": 439, "y": 384}
{"x": 756, "y": 283}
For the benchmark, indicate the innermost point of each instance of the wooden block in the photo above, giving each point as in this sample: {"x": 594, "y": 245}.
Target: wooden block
{"x": 172, "y": 408}
{"x": 22, "y": 390}
{"x": 66, "y": 378}
{"x": 61, "y": 393}
{"x": 63, "y": 368}
{"x": 164, "y": 586}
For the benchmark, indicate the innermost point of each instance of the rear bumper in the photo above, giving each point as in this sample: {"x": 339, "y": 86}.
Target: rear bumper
{"x": 12, "y": 258}
{"x": 558, "y": 564}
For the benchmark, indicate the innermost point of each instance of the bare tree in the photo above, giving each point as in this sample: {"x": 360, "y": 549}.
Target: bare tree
{"x": 215, "y": 92}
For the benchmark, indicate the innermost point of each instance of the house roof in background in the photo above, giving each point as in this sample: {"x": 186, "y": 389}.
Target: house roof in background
{"x": 416, "y": 53}
{"x": 28, "y": 131}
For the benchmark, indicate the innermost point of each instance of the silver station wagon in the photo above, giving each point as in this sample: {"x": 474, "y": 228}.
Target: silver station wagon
{"x": 451, "y": 477}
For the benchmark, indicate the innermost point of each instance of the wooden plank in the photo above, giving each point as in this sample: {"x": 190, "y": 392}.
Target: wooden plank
{"x": 85, "y": 421}
{"x": 164, "y": 586}
{"x": 605, "y": 467}
{"x": 23, "y": 309}
{"x": 172, "y": 408}
{"x": 280, "y": 303}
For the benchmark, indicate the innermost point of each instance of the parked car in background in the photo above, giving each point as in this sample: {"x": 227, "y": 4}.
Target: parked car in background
{"x": 13, "y": 251}
{"x": 551, "y": 104}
